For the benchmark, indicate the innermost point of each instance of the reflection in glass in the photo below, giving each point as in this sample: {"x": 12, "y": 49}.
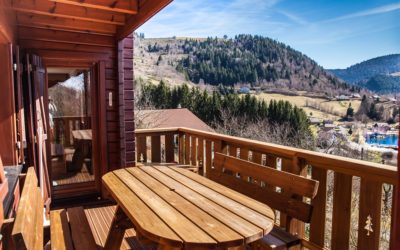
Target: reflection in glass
{"x": 70, "y": 126}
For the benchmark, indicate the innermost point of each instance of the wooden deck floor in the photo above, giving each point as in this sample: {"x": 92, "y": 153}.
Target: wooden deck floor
{"x": 100, "y": 220}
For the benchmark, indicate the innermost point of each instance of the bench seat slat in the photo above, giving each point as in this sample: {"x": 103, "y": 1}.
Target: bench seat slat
{"x": 60, "y": 234}
{"x": 82, "y": 235}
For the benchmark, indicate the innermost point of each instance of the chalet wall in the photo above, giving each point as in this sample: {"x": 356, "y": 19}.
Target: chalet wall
{"x": 8, "y": 150}
{"x": 60, "y": 48}
{"x": 126, "y": 102}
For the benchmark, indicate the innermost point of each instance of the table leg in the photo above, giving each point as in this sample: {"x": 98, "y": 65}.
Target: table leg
{"x": 116, "y": 234}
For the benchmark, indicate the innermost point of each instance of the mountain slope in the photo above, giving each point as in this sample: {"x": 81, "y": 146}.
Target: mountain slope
{"x": 384, "y": 84}
{"x": 378, "y": 71}
{"x": 243, "y": 60}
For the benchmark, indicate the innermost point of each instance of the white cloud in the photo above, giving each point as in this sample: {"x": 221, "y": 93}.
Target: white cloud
{"x": 374, "y": 11}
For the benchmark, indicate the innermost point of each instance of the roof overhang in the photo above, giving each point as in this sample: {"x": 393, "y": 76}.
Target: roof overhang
{"x": 117, "y": 18}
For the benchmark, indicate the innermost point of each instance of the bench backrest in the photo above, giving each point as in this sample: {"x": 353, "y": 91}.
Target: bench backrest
{"x": 27, "y": 231}
{"x": 260, "y": 183}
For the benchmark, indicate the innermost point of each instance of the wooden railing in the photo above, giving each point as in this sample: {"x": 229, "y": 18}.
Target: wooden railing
{"x": 63, "y": 127}
{"x": 354, "y": 202}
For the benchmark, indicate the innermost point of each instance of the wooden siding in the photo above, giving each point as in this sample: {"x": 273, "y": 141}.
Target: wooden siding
{"x": 126, "y": 102}
{"x": 8, "y": 149}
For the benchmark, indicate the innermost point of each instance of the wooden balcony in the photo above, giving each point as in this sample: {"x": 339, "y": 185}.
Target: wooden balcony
{"x": 352, "y": 209}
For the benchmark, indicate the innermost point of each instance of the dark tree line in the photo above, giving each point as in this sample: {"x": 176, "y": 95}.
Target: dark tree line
{"x": 209, "y": 107}
{"x": 251, "y": 59}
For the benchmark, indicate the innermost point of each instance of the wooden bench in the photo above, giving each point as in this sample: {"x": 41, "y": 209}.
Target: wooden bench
{"x": 260, "y": 182}
{"x": 27, "y": 226}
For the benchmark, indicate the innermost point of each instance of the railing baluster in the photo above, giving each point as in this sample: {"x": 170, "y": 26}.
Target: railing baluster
{"x": 369, "y": 223}
{"x": 341, "y": 211}
{"x": 141, "y": 149}
{"x": 200, "y": 155}
{"x": 193, "y": 154}
{"x": 208, "y": 154}
{"x": 232, "y": 150}
{"x": 317, "y": 225}
{"x": 169, "y": 148}
{"x": 187, "y": 149}
{"x": 181, "y": 148}
{"x": 286, "y": 165}
{"x": 244, "y": 154}
{"x": 155, "y": 148}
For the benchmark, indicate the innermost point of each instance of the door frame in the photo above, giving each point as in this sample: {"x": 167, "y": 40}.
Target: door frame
{"x": 98, "y": 123}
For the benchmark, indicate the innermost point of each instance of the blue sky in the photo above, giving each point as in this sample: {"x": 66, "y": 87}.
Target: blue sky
{"x": 336, "y": 34}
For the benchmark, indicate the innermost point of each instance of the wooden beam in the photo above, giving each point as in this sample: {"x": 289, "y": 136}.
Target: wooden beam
{"x": 146, "y": 11}
{"x": 113, "y": 7}
{"x": 40, "y": 34}
{"x": 33, "y": 44}
{"x": 45, "y": 7}
{"x": 45, "y": 21}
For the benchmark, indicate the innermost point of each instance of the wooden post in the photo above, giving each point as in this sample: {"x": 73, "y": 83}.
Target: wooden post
{"x": 395, "y": 232}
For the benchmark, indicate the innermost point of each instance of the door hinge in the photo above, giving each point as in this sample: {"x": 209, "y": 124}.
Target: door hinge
{"x": 18, "y": 144}
{"x": 15, "y": 66}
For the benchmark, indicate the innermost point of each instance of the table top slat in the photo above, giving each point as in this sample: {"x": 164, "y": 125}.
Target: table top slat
{"x": 225, "y": 236}
{"x": 231, "y": 200}
{"x": 249, "y": 231}
{"x": 230, "y": 193}
{"x": 190, "y": 233}
{"x": 145, "y": 220}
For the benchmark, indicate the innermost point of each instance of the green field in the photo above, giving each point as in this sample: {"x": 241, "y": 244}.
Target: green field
{"x": 327, "y": 109}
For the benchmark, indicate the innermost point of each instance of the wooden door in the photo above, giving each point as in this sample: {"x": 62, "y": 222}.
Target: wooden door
{"x": 19, "y": 105}
{"x": 37, "y": 99}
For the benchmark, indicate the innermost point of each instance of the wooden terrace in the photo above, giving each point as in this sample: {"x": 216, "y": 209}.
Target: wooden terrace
{"x": 75, "y": 174}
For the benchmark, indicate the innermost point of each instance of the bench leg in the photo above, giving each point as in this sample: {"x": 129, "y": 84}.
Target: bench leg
{"x": 119, "y": 225}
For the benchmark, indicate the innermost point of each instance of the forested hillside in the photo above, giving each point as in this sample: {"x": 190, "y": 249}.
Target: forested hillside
{"x": 245, "y": 59}
{"x": 383, "y": 84}
{"x": 363, "y": 71}
{"x": 379, "y": 74}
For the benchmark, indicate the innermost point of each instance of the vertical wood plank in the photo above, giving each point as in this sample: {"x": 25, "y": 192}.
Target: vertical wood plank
{"x": 193, "y": 153}
{"x": 141, "y": 149}
{"x": 270, "y": 161}
{"x": 370, "y": 206}
{"x": 155, "y": 148}
{"x": 286, "y": 165}
{"x": 244, "y": 155}
{"x": 299, "y": 167}
{"x": 187, "y": 149}
{"x": 341, "y": 211}
{"x": 169, "y": 148}
{"x": 200, "y": 155}
{"x": 317, "y": 225}
{"x": 232, "y": 151}
{"x": 257, "y": 158}
{"x": 181, "y": 148}
{"x": 208, "y": 162}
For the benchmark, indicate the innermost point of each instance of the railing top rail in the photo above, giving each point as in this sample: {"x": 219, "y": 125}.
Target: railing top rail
{"x": 375, "y": 171}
